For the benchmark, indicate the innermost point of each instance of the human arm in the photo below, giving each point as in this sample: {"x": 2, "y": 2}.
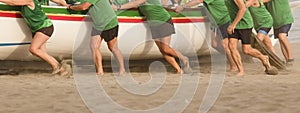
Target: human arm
{"x": 17, "y": 2}
{"x": 265, "y": 1}
{"x": 164, "y": 2}
{"x": 80, "y": 7}
{"x": 250, "y": 2}
{"x": 128, "y": 5}
{"x": 189, "y": 4}
{"x": 242, "y": 9}
{"x": 60, "y": 2}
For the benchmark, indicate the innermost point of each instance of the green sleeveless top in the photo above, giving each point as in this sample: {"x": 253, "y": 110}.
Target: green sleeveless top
{"x": 261, "y": 17}
{"x": 36, "y": 18}
{"x": 44, "y": 2}
{"x": 154, "y": 12}
{"x": 281, "y": 12}
{"x": 218, "y": 11}
{"x": 246, "y": 22}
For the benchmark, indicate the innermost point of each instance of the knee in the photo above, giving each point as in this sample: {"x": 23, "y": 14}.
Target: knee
{"x": 246, "y": 51}
{"x": 214, "y": 45}
{"x": 164, "y": 50}
{"x": 113, "y": 48}
{"x": 33, "y": 50}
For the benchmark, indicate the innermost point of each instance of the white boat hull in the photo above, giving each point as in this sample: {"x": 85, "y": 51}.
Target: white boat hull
{"x": 134, "y": 39}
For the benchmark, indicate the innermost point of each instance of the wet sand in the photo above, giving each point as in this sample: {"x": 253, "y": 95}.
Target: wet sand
{"x": 37, "y": 91}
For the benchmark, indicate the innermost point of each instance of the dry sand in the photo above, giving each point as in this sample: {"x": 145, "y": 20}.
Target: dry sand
{"x": 256, "y": 92}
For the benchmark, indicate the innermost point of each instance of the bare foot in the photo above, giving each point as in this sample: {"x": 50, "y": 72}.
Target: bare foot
{"x": 240, "y": 74}
{"x": 179, "y": 72}
{"x": 100, "y": 73}
{"x": 122, "y": 72}
{"x": 233, "y": 69}
{"x": 266, "y": 62}
{"x": 56, "y": 69}
{"x": 186, "y": 67}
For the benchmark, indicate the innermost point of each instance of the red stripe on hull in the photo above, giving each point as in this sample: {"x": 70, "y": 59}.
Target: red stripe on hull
{"x": 82, "y": 18}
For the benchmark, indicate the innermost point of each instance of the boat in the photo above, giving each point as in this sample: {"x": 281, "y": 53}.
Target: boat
{"x": 72, "y": 33}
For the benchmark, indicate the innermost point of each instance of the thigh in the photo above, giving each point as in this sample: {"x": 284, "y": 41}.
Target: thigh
{"x": 39, "y": 40}
{"x": 95, "y": 42}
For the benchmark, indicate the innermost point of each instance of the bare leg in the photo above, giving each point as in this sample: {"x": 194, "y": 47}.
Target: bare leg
{"x": 266, "y": 40}
{"x": 169, "y": 58}
{"x": 247, "y": 49}
{"x": 233, "y": 66}
{"x": 38, "y": 48}
{"x": 113, "y": 47}
{"x": 285, "y": 46}
{"x": 95, "y": 47}
{"x": 233, "y": 43}
{"x": 216, "y": 43}
{"x": 165, "y": 46}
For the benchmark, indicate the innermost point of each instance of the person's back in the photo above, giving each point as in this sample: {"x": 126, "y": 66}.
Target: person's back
{"x": 35, "y": 18}
{"x": 261, "y": 17}
{"x": 218, "y": 11}
{"x": 246, "y": 22}
{"x": 153, "y": 10}
{"x": 103, "y": 15}
{"x": 281, "y": 12}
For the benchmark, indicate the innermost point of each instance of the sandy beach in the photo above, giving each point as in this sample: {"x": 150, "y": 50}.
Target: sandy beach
{"x": 256, "y": 92}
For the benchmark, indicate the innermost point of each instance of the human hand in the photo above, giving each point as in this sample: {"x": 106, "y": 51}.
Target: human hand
{"x": 230, "y": 29}
{"x": 178, "y": 9}
{"x": 114, "y": 7}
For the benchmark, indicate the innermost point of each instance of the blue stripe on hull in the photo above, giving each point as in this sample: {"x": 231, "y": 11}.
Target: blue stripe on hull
{"x": 14, "y": 44}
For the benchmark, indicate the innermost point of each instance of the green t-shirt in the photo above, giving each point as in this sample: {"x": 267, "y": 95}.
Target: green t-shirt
{"x": 246, "y": 22}
{"x": 36, "y": 18}
{"x": 120, "y": 2}
{"x": 261, "y": 17}
{"x": 154, "y": 12}
{"x": 281, "y": 12}
{"x": 102, "y": 14}
{"x": 218, "y": 11}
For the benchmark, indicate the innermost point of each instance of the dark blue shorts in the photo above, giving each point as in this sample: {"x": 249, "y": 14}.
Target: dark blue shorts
{"x": 264, "y": 31}
{"x": 283, "y": 29}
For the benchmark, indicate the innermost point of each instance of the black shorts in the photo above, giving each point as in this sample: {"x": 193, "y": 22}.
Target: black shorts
{"x": 243, "y": 34}
{"x": 107, "y": 35}
{"x": 264, "y": 31}
{"x": 46, "y": 30}
{"x": 283, "y": 29}
{"x": 223, "y": 30}
{"x": 162, "y": 30}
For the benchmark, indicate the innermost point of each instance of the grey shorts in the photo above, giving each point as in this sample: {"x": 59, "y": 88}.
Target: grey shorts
{"x": 223, "y": 30}
{"x": 162, "y": 30}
